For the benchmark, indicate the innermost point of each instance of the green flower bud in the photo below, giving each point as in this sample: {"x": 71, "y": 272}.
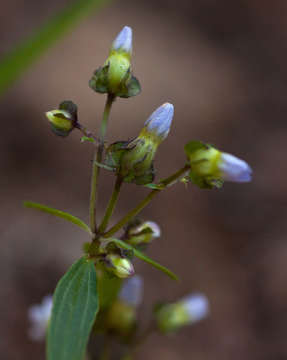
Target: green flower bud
{"x": 64, "y": 119}
{"x": 142, "y": 233}
{"x": 121, "y": 318}
{"x": 211, "y": 167}
{"x": 187, "y": 311}
{"x": 133, "y": 160}
{"x": 120, "y": 266}
{"x": 115, "y": 76}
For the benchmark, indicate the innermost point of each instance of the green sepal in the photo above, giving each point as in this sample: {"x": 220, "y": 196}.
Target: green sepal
{"x": 193, "y": 146}
{"x": 131, "y": 88}
{"x": 145, "y": 258}
{"x": 62, "y": 214}
{"x": 202, "y": 181}
{"x": 99, "y": 81}
{"x": 155, "y": 186}
{"x": 75, "y": 307}
{"x": 71, "y": 108}
{"x": 114, "y": 154}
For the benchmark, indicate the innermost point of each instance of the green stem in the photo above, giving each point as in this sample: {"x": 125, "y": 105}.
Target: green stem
{"x": 111, "y": 206}
{"x": 98, "y": 158}
{"x": 131, "y": 214}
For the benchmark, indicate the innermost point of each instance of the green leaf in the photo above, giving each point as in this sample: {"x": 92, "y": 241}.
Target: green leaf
{"x": 86, "y": 138}
{"x": 64, "y": 215}
{"x": 145, "y": 258}
{"x": 22, "y": 57}
{"x": 75, "y": 306}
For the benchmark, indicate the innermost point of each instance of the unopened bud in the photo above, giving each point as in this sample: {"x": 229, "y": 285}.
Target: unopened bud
{"x": 115, "y": 77}
{"x": 189, "y": 310}
{"x": 121, "y": 318}
{"x": 120, "y": 266}
{"x": 64, "y": 119}
{"x": 134, "y": 160}
{"x": 210, "y": 167}
{"x": 123, "y": 41}
{"x": 143, "y": 233}
{"x": 158, "y": 124}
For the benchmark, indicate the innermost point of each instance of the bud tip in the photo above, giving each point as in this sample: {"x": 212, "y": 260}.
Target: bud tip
{"x": 123, "y": 41}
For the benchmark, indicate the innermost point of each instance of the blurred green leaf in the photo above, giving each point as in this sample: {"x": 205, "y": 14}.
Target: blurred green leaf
{"x": 75, "y": 307}
{"x": 18, "y": 60}
{"x": 145, "y": 258}
{"x": 64, "y": 215}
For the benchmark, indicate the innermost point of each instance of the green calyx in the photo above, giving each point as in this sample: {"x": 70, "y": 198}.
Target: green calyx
{"x": 204, "y": 161}
{"x": 64, "y": 119}
{"x": 133, "y": 161}
{"x": 171, "y": 317}
{"x": 121, "y": 318}
{"x": 115, "y": 76}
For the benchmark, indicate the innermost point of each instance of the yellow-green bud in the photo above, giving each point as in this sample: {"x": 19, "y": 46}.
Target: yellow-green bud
{"x": 187, "y": 311}
{"x": 120, "y": 266}
{"x": 64, "y": 119}
{"x": 133, "y": 160}
{"x": 61, "y": 122}
{"x": 210, "y": 166}
{"x": 121, "y": 318}
{"x": 115, "y": 76}
{"x": 142, "y": 233}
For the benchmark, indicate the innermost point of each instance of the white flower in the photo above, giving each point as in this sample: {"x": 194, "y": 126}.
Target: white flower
{"x": 39, "y": 316}
{"x": 234, "y": 169}
{"x": 132, "y": 291}
{"x": 123, "y": 41}
{"x": 160, "y": 121}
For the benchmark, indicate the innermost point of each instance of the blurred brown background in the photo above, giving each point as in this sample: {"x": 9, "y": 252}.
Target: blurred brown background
{"x": 222, "y": 64}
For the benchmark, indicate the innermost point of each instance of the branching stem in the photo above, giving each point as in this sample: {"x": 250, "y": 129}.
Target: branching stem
{"x": 131, "y": 214}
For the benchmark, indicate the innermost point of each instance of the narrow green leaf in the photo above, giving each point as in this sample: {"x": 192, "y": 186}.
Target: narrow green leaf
{"x": 19, "y": 59}
{"x": 145, "y": 258}
{"x": 75, "y": 306}
{"x": 86, "y": 138}
{"x": 64, "y": 215}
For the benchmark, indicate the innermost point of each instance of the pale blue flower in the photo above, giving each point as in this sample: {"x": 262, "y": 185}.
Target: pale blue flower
{"x": 124, "y": 40}
{"x": 160, "y": 121}
{"x": 132, "y": 291}
{"x": 196, "y": 306}
{"x": 234, "y": 169}
{"x": 39, "y": 316}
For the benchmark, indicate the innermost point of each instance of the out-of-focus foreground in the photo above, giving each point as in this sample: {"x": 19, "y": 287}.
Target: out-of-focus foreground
{"x": 223, "y": 66}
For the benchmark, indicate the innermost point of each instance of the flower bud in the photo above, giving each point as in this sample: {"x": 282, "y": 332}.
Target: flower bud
{"x": 210, "y": 167}
{"x": 134, "y": 160}
{"x": 120, "y": 266}
{"x": 115, "y": 76}
{"x": 142, "y": 233}
{"x": 121, "y": 316}
{"x": 39, "y": 316}
{"x": 189, "y": 310}
{"x": 64, "y": 119}
{"x": 123, "y": 42}
{"x": 158, "y": 124}
{"x": 131, "y": 292}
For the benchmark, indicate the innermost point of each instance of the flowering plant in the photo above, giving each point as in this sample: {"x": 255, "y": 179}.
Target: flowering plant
{"x": 99, "y": 295}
